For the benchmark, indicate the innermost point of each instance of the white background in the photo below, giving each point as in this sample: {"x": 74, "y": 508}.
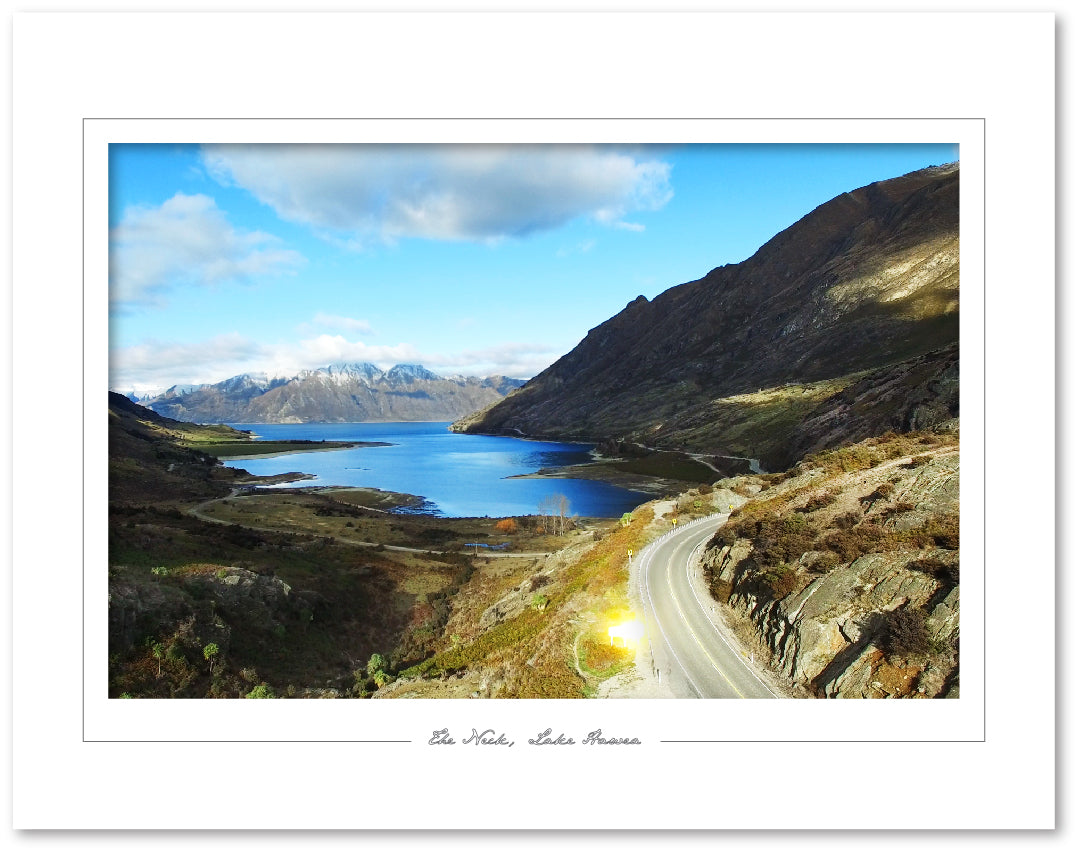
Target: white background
{"x": 676, "y": 66}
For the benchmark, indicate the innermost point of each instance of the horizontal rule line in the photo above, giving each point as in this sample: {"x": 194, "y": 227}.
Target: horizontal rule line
{"x": 820, "y": 741}
{"x": 246, "y": 741}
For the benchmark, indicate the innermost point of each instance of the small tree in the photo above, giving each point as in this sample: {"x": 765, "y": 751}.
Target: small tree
{"x": 555, "y": 513}
{"x": 158, "y": 650}
{"x": 380, "y": 678}
{"x": 210, "y": 653}
{"x": 506, "y": 526}
{"x": 376, "y": 662}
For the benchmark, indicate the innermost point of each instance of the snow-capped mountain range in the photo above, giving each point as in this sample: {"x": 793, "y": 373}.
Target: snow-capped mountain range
{"x": 340, "y": 392}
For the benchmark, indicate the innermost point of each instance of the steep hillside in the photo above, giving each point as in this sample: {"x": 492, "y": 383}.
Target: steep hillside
{"x": 149, "y": 462}
{"x": 866, "y": 282}
{"x": 844, "y": 572}
{"x": 336, "y": 393}
{"x": 208, "y": 608}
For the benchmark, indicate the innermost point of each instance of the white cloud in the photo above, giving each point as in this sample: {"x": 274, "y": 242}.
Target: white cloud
{"x": 365, "y": 193}
{"x": 156, "y": 365}
{"x": 521, "y": 361}
{"x": 324, "y": 349}
{"x": 186, "y": 240}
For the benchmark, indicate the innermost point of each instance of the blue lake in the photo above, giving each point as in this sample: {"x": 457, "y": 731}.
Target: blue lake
{"x": 458, "y": 475}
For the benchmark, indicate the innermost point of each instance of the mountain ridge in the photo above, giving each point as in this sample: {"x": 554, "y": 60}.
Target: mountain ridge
{"x": 865, "y": 281}
{"x": 339, "y": 392}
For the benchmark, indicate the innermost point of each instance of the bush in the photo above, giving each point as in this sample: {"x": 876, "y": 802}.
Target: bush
{"x": 847, "y": 459}
{"x": 781, "y": 540}
{"x": 948, "y": 573}
{"x": 853, "y": 543}
{"x": 883, "y": 490}
{"x": 847, "y": 521}
{"x": 944, "y": 530}
{"x": 819, "y": 501}
{"x": 780, "y": 581}
{"x": 905, "y": 632}
{"x": 822, "y": 563}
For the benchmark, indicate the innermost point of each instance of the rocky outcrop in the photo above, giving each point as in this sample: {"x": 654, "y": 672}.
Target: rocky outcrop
{"x": 212, "y": 604}
{"x": 884, "y": 623}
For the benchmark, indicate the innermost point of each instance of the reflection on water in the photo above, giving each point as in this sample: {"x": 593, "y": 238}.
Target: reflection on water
{"x": 458, "y": 475}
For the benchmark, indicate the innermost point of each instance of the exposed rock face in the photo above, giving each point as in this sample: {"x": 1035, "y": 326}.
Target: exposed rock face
{"x": 203, "y": 607}
{"x": 337, "y": 393}
{"x": 834, "y": 633}
{"x": 866, "y": 281}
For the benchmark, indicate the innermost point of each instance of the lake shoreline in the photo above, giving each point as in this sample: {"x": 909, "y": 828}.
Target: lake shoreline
{"x": 453, "y": 475}
{"x": 652, "y": 486}
{"x": 314, "y": 447}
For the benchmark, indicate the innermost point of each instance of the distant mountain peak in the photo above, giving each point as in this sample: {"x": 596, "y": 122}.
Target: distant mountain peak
{"x": 365, "y": 368}
{"x": 411, "y": 372}
{"x": 339, "y": 392}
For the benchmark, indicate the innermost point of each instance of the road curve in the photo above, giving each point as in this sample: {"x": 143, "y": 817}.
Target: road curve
{"x": 689, "y": 654}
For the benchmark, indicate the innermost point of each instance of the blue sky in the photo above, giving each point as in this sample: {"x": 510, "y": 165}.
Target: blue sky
{"x": 469, "y": 259}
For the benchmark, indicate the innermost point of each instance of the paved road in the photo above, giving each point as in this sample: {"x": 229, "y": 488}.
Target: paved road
{"x": 692, "y": 656}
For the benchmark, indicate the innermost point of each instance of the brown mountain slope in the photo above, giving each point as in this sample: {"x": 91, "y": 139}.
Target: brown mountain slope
{"x": 147, "y": 461}
{"x": 865, "y": 281}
